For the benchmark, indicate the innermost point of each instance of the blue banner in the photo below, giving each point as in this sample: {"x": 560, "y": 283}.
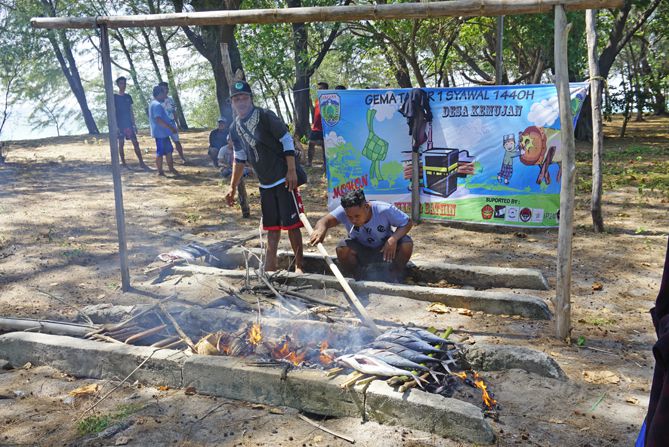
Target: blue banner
{"x": 491, "y": 154}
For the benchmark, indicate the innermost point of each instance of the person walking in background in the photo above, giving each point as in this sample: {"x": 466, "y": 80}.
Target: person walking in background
{"x": 316, "y": 134}
{"x": 170, "y": 108}
{"x": 125, "y": 122}
{"x": 161, "y": 129}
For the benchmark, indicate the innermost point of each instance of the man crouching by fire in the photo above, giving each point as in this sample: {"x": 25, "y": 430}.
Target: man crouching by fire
{"x": 371, "y": 238}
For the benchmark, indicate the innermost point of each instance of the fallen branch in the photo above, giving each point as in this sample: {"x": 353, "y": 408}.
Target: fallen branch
{"x": 140, "y": 314}
{"x": 45, "y": 326}
{"x": 60, "y": 300}
{"x": 177, "y": 328}
{"x": 117, "y": 386}
{"x": 325, "y": 429}
{"x": 145, "y": 333}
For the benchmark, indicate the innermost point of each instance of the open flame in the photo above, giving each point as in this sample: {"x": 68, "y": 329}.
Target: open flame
{"x": 254, "y": 335}
{"x": 284, "y": 353}
{"x": 461, "y": 375}
{"x": 324, "y": 357}
{"x": 480, "y": 384}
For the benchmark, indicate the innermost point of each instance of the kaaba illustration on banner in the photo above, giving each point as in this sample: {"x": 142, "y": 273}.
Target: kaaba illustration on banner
{"x": 440, "y": 170}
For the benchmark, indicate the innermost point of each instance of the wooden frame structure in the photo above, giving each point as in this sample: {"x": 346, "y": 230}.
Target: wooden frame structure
{"x": 454, "y": 8}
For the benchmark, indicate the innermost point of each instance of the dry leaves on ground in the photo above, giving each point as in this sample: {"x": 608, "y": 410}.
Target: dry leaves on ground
{"x": 601, "y": 377}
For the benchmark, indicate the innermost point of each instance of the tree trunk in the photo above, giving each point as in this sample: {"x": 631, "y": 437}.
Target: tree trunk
{"x": 72, "y": 75}
{"x": 499, "y": 46}
{"x": 597, "y": 133}
{"x": 302, "y": 78}
{"x": 152, "y": 55}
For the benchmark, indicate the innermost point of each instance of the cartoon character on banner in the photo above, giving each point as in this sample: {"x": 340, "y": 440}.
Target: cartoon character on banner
{"x": 511, "y": 151}
{"x": 539, "y": 147}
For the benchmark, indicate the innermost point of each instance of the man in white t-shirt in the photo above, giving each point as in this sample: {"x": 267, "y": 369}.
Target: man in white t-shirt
{"x": 377, "y": 232}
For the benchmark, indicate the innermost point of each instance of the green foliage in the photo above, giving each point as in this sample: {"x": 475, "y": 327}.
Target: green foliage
{"x": 97, "y": 423}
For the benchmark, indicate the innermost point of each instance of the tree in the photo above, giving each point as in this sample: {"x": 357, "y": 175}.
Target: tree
{"x": 62, "y": 48}
{"x": 207, "y": 41}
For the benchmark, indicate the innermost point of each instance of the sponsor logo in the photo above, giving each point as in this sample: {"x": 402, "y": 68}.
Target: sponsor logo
{"x": 537, "y": 215}
{"x": 486, "y": 212}
{"x": 511, "y": 214}
{"x": 525, "y": 215}
{"x": 330, "y": 108}
{"x": 500, "y": 211}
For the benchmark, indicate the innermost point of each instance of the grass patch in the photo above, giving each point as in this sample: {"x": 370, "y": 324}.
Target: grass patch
{"x": 599, "y": 321}
{"x": 645, "y": 168}
{"x": 97, "y": 423}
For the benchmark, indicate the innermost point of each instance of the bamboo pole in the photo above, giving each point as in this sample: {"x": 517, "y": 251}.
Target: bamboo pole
{"x": 353, "y": 301}
{"x": 597, "y": 132}
{"x": 568, "y": 148}
{"x": 45, "y": 326}
{"x": 455, "y": 8}
{"x": 116, "y": 170}
{"x": 415, "y": 185}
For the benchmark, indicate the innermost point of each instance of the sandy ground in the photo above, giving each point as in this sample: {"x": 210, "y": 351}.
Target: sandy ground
{"x": 58, "y": 236}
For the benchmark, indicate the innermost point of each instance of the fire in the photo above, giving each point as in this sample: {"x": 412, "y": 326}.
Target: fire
{"x": 480, "y": 384}
{"x": 255, "y": 335}
{"x": 284, "y": 353}
{"x": 461, "y": 375}
{"x": 324, "y": 357}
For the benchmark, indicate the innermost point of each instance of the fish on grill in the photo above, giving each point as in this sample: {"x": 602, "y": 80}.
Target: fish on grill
{"x": 410, "y": 354}
{"x": 396, "y": 360}
{"x": 409, "y": 341}
{"x": 374, "y": 366}
{"x": 422, "y": 334}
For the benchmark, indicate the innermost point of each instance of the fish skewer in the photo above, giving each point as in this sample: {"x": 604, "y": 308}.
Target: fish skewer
{"x": 420, "y": 333}
{"x": 412, "y": 355}
{"x": 373, "y": 366}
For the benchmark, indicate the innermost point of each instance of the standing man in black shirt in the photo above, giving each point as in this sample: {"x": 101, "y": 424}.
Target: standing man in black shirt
{"x": 261, "y": 138}
{"x": 125, "y": 121}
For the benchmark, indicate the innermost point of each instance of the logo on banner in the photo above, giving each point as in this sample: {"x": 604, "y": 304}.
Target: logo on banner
{"x": 525, "y": 215}
{"x": 500, "y": 211}
{"x": 511, "y": 214}
{"x": 486, "y": 212}
{"x": 330, "y": 108}
{"x": 537, "y": 215}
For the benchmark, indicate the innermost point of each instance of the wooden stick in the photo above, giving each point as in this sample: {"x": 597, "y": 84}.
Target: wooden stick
{"x": 568, "y": 153}
{"x": 326, "y": 430}
{"x": 333, "y": 372}
{"x": 412, "y": 383}
{"x": 105, "y": 338}
{"x": 304, "y": 296}
{"x": 165, "y": 342}
{"x": 140, "y": 314}
{"x": 115, "y": 165}
{"x": 455, "y": 8}
{"x": 145, "y": 333}
{"x": 355, "y": 304}
{"x": 48, "y": 327}
{"x": 177, "y": 328}
{"x": 352, "y": 378}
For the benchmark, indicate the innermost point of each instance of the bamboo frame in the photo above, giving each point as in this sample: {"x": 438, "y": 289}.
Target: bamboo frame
{"x": 455, "y": 8}
{"x": 567, "y": 190}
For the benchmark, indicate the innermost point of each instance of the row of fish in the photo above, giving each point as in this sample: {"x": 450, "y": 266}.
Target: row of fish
{"x": 399, "y": 352}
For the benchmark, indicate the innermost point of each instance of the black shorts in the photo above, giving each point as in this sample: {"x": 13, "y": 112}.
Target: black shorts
{"x": 367, "y": 255}
{"x": 316, "y": 135}
{"x": 278, "y": 208}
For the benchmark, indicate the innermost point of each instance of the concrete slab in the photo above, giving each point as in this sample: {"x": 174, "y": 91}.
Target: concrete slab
{"x": 307, "y": 390}
{"x": 490, "y": 302}
{"x": 489, "y": 357}
{"x": 478, "y": 276}
{"x": 87, "y": 358}
{"x": 311, "y": 391}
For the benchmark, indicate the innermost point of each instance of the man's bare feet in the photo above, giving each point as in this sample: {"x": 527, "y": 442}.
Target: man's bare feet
{"x": 299, "y": 271}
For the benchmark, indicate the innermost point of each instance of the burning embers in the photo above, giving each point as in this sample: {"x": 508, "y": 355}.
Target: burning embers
{"x": 255, "y": 335}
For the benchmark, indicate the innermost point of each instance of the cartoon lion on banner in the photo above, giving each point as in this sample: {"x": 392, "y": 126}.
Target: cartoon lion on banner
{"x": 539, "y": 146}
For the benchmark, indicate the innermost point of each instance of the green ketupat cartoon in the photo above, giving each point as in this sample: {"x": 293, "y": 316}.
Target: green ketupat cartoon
{"x": 376, "y": 148}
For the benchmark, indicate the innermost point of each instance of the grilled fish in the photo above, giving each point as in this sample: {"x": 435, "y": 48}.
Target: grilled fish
{"x": 409, "y": 341}
{"x": 420, "y": 333}
{"x": 396, "y": 360}
{"x": 410, "y": 354}
{"x": 374, "y": 366}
